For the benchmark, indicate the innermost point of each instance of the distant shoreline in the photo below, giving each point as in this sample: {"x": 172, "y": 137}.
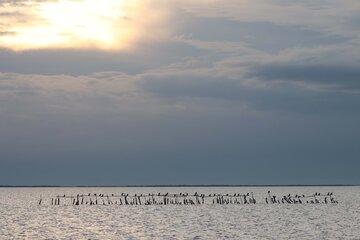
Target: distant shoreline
{"x": 183, "y": 185}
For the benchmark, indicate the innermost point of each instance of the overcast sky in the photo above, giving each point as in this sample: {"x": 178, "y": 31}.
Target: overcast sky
{"x": 179, "y": 92}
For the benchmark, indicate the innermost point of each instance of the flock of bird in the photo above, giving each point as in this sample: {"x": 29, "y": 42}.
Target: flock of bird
{"x": 186, "y": 199}
{"x": 151, "y": 199}
{"x": 316, "y": 198}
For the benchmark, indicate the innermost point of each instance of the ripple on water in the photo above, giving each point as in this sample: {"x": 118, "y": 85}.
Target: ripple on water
{"x": 22, "y": 218}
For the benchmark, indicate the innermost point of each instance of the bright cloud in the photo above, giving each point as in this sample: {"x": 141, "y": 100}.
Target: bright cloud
{"x": 108, "y": 24}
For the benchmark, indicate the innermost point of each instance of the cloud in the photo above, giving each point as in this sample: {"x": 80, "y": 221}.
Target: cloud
{"x": 323, "y": 16}
{"x": 252, "y": 33}
{"x": 248, "y": 93}
{"x": 343, "y": 77}
{"x": 6, "y": 33}
{"x": 149, "y": 55}
{"x": 79, "y": 24}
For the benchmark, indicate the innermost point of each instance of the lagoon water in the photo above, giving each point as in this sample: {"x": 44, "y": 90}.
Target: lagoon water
{"x": 22, "y": 218}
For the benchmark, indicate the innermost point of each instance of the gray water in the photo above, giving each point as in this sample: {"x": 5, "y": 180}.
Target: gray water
{"x": 22, "y": 218}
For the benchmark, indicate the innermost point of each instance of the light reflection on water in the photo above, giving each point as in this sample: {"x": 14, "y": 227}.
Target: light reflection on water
{"x": 22, "y": 218}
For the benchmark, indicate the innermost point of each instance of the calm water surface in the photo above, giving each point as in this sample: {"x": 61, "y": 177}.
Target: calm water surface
{"x": 22, "y": 218}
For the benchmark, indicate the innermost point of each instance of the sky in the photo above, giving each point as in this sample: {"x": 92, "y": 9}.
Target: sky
{"x": 179, "y": 92}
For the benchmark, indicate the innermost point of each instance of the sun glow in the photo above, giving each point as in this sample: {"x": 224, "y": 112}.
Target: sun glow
{"x": 103, "y": 24}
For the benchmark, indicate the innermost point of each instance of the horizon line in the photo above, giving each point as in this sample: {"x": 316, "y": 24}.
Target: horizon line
{"x": 179, "y": 185}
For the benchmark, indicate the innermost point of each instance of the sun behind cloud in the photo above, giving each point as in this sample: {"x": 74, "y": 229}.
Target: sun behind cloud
{"x": 105, "y": 24}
